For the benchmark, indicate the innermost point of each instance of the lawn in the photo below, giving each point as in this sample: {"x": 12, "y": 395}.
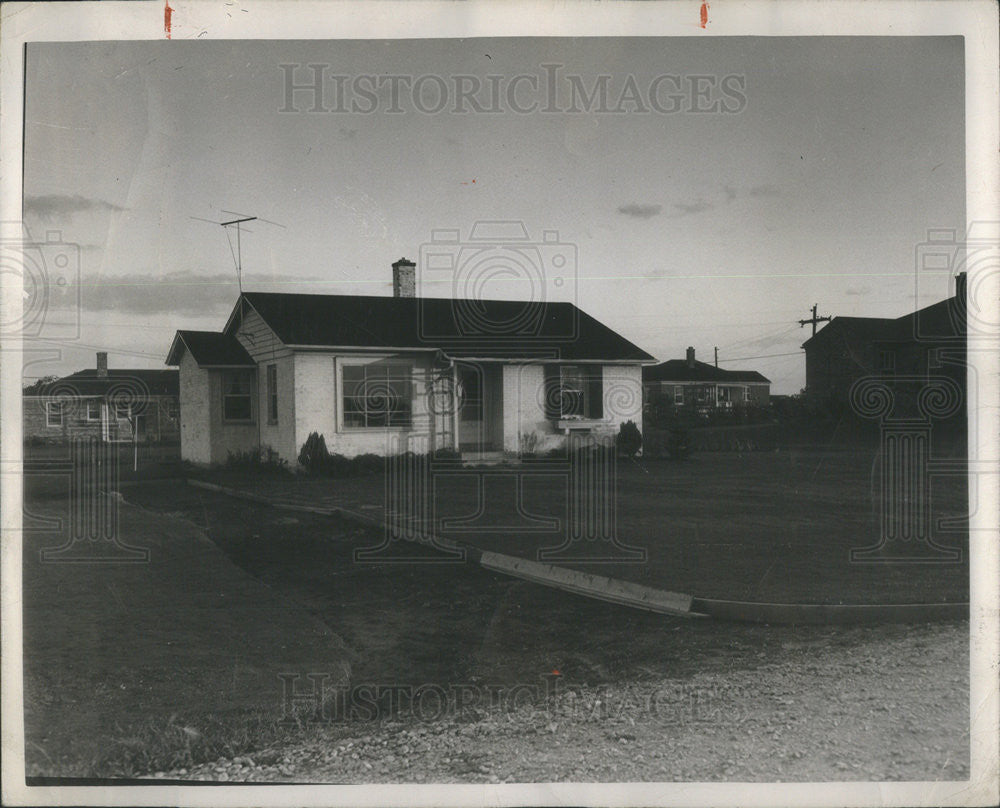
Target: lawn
{"x": 759, "y": 526}
{"x": 134, "y": 666}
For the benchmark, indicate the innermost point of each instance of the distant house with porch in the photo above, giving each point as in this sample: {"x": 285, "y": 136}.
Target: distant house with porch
{"x": 385, "y": 375}
{"x": 693, "y": 386}
{"x": 908, "y": 352}
{"x": 112, "y": 404}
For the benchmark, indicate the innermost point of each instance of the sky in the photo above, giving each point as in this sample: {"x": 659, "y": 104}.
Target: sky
{"x": 812, "y": 176}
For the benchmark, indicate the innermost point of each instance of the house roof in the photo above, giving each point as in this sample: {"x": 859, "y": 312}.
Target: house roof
{"x": 461, "y": 328}
{"x": 209, "y": 349}
{"x": 146, "y": 382}
{"x": 678, "y": 370}
{"x": 944, "y": 319}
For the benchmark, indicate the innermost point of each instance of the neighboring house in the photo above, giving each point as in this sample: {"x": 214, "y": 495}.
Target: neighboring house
{"x": 389, "y": 374}
{"x": 116, "y": 404}
{"x": 908, "y": 351}
{"x": 694, "y": 386}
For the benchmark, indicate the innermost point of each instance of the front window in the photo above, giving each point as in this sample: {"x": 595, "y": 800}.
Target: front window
{"x": 378, "y": 396}
{"x": 93, "y": 410}
{"x": 237, "y": 400}
{"x": 580, "y": 392}
{"x": 53, "y": 413}
{"x": 887, "y": 361}
{"x": 679, "y": 395}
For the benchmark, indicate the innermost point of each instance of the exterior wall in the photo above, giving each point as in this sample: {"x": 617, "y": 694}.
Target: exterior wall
{"x": 622, "y": 395}
{"x": 196, "y": 437}
{"x": 318, "y": 391}
{"x": 279, "y": 436}
{"x": 228, "y": 437}
{"x": 524, "y": 403}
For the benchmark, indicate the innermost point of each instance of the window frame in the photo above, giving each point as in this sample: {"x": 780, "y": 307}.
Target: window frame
{"x": 271, "y": 389}
{"x": 91, "y": 402}
{"x": 884, "y": 367}
{"x": 228, "y": 375}
{"x": 51, "y": 406}
{"x": 392, "y": 372}
{"x": 678, "y": 395}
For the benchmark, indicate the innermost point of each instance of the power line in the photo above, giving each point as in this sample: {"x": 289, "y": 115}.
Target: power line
{"x": 763, "y": 356}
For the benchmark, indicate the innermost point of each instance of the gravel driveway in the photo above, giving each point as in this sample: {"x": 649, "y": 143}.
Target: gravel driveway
{"x": 859, "y": 704}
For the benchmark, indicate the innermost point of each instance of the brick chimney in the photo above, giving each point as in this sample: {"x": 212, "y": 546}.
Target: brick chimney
{"x": 404, "y": 278}
{"x": 102, "y": 364}
{"x": 690, "y": 357}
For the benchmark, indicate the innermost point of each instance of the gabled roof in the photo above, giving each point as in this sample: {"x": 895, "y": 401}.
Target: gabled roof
{"x": 678, "y": 370}
{"x": 944, "y": 319}
{"x": 209, "y": 349}
{"x": 147, "y": 382}
{"x": 461, "y": 328}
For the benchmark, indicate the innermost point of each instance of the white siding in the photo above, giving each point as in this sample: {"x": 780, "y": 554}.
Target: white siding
{"x": 318, "y": 391}
{"x": 524, "y": 403}
{"x": 196, "y": 445}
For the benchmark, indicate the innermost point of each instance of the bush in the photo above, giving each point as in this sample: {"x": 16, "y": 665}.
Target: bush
{"x": 629, "y": 439}
{"x": 446, "y": 454}
{"x": 265, "y": 460}
{"x": 313, "y": 456}
{"x": 367, "y": 464}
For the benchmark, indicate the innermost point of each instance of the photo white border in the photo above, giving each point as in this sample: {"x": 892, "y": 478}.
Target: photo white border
{"x": 383, "y": 19}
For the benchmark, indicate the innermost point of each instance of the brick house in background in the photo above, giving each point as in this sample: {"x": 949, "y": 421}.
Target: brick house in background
{"x": 693, "y": 386}
{"x": 110, "y": 404}
{"x": 908, "y": 352}
{"x": 384, "y": 375}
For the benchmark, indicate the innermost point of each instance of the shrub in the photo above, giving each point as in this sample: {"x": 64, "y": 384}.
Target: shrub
{"x": 629, "y": 439}
{"x": 447, "y": 454}
{"x": 368, "y": 464}
{"x": 313, "y": 456}
{"x": 265, "y": 460}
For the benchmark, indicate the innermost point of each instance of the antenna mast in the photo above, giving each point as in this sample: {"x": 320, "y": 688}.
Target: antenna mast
{"x": 239, "y": 253}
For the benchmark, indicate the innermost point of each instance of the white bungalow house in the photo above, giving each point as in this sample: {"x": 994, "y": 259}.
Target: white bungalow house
{"x": 391, "y": 374}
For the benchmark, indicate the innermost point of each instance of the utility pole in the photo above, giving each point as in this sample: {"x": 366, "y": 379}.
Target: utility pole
{"x": 814, "y": 319}
{"x": 716, "y": 355}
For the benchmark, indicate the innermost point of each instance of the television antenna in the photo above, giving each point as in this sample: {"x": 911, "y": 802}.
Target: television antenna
{"x": 238, "y": 252}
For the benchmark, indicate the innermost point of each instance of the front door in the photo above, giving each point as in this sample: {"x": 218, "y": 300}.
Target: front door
{"x": 480, "y": 421}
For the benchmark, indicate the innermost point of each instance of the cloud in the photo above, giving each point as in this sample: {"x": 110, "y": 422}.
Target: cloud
{"x": 54, "y": 206}
{"x": 690, "y": 208}
{"x": 765, "y": 190}
{"x": 638, "y": 211}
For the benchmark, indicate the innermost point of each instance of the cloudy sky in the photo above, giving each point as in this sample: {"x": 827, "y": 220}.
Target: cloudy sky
{"x": 815, "y": 172}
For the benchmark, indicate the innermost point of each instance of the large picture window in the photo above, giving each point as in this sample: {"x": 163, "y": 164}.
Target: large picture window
{"x": 377, "y": 396}
{"x": 237, "y": 399}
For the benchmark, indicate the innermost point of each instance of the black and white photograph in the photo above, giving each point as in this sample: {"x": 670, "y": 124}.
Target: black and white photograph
{"x": 448, "y": 403}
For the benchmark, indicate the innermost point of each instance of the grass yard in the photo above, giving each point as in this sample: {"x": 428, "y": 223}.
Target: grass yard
{"x": 130, "y": 667}
{"x": 759, "y": 526}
